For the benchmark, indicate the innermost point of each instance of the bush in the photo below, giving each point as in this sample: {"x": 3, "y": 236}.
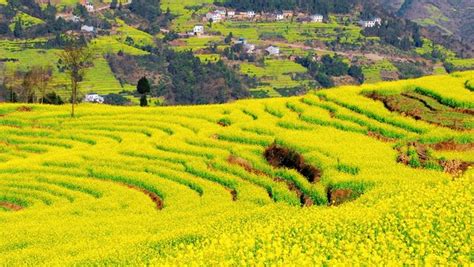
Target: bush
{"x": 116, "y": 100}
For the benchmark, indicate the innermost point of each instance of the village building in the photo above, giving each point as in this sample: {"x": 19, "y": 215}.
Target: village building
{"x": 273, "y": 50}
{"x": 370, "y": 23}
{"x": 279, "y": 16}
{"x": 230, "y": 13}
{"x": 214, "y": 16}
{"x": 69, "y": 17}
{"x": 317, "y": 18}
{"x": 88, "y": 29}
{"x": 249, "y": 48}
{"x": 221, "y": 11}
{"x": 241, "y": 41}
{"x": 198, "y": 29}
{"x": 287, "y": 13}
{"x": 250, "y": 14}
{"x": 94, "y": 98}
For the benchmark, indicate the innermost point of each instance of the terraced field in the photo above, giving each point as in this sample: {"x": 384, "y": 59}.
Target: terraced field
{"x": 311, "y": 180}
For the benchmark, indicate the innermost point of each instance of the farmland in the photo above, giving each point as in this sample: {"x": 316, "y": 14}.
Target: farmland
{"x": 202, "y": 185}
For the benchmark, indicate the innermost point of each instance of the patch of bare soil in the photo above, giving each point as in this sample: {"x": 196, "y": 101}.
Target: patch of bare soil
{"x": 421, "y": 157}
{"x": 10, "y": 206}
{"x": 305, "y": 200}
{"x": 24, "y": 109}
{"x": 452, "y": 146}
{"x": 339, "y": 196}
{"x": 234, "y": 160}
{"x": 455, "y": 167}
{"x": 233, "y": 192}
{"x": 380, "y": 137}
{"x": 279, "y": 156}
{"x": 154, "y": 197}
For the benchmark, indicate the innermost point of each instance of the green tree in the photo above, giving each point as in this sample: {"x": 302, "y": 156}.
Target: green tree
{"x": 356, "y": 72}
{"x": 228, "y": 38}
{"x": 143, "y": 88}
{"x": 18, "y": 28}
{"x": 114, "y": 4}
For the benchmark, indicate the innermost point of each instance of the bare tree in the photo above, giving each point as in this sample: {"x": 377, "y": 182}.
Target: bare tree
{"x": 41, "y": 76}
{"x": 75, "y": 60}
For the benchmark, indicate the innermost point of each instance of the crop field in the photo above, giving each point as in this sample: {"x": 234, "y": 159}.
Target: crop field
{"x": 275, "y": 74}
{"x": 291, "y": 32}
{"x": 99, "y": 78}
{"x": 372, "y": 73}
{"x": 331, "y": 177}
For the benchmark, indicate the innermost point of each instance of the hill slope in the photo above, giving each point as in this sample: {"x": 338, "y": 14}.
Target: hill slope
{"x": 452, "y": 17}
{"x": 196, "y": 185}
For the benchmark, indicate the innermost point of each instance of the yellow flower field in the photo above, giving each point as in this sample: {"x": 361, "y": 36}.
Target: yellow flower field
{"x": 190, "y": 185}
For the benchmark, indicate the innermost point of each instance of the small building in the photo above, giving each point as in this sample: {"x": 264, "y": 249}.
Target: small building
{"x": 230, "y": 13}
{"x": 250, "y": 14}
{"x": 89, "y": 29}
{"x": 94, "y": 98}
{"x": 370, "y": 23}
{"x": 249, "y": 48}
{"x": 287, "y": 13}
{"x": 317, "y": 18}
{"x": 241, "y": 41}
{"x": 279, "y": 16}
{"x": 221, "y": 11}
{"x": 273, "y": 50}
{"x": 198, "y": 29}
{"x": 69, "y": 17}
{"x": 214, "y": 16}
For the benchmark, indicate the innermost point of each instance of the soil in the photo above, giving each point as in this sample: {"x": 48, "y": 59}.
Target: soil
{"x": 452, "y": 146}
{"x": 380, "y": 137}
{"x": 24, "y": 109}
{"x": 339, "y": 196}
{"x": 154, "y": 197}
{"x": 10, "y": 206}
{"x": 305, "y": 200}
{"x": 244, "y": 164}
{"x": 454, "y": 167}
{"x": 279, "y": 156}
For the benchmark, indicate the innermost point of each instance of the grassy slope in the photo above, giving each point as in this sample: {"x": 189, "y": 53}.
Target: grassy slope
{"x": 70, "y": 175}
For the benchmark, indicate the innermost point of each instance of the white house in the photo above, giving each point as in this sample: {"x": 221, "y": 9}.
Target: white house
{"x": 89, "y": 7}
{"x": 94, "y": 98}
{"x": 370, "y": 23}
{"x": 250, "y": 14}
{"x": 241, "y": 40}
{"x": 273, "y": 50}
{"x": 249, "y": 48}
{"x": 317, "y": 18}
{"x": 220, "y": 11}
{"x": 215, "y": 16}
{"x": 69, "y": 17}
{"x": 86, "y": 28}
{"x": 230, "y": 13}
{"x": 279, "y": 16}
{"x": 198, "y": 29}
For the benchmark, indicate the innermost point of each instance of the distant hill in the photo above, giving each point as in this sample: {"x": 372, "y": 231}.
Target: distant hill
{"x": 453, "y": 17}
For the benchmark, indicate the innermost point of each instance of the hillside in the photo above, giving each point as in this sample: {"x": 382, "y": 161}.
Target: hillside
{"x": 378, "y": 174}
{"x": 201, "y": 52}
{"x": 451, "y": 17}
